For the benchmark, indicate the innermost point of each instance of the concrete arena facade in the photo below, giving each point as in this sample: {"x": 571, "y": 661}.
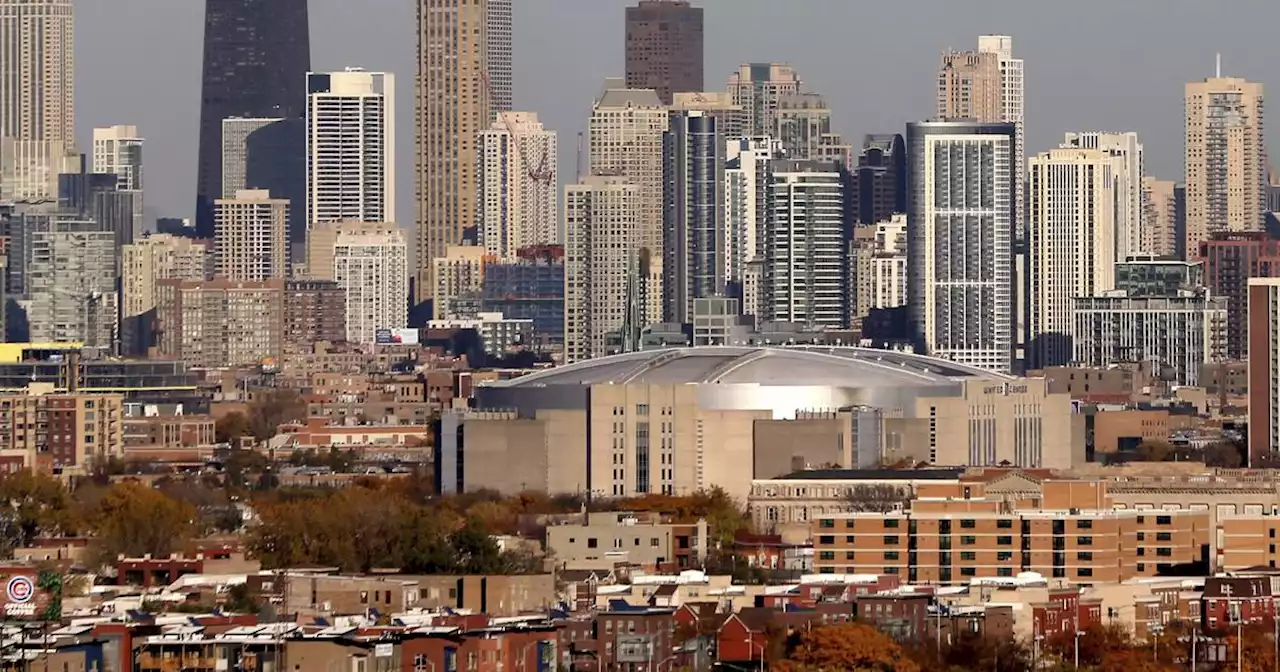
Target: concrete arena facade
{"x": 780, "y": 380}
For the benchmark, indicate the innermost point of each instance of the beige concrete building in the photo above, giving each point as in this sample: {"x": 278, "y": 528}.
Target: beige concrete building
{"x": 37, "y": 93}
{"x": 70, "y": 432}
{"x": 1160, "y": 217}
{"x": 1225, "y": 158}
{"x": 145, "y": 262}
{"x": 251, "y": 234}
{"x": 685, "y": 419}
{"x": 757, "y": 88}
{"x": 625, "y": 141}
{"x": 369, "y": 261}
{"x": 220, "y": 323}
{"x": 609, "y": 538}
{"x": 517, "y": 182}
{"x": 463, "y": 81}
{"x": 458, "y": 274}
{"x": 731, "y": 118}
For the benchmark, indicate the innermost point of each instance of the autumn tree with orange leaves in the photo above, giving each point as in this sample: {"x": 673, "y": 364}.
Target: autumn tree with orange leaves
{"x": 847, "y": 646}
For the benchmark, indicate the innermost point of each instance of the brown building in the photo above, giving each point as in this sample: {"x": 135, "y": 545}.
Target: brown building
{"x": 1264, "y": 348}
{"x": 953, "y": 533}
{"x": 168, "y": 437}
{"x": 664, "y": 47}
{"x": 1121, "y": 431}
{"x": 220, "y": 323}
{"x": 65, "y": 433}
{"x": 1230, "y": 259}
{"x": 314, "y": 310}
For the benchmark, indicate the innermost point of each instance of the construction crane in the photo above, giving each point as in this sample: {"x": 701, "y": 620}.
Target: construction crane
{"x": 542, "y": 175}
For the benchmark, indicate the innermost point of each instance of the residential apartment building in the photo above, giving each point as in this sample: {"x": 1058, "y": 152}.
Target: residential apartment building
{"x": 664, "y": 47}
{"x": 605, "y": 539}
{"x": 38, "y": 40}
{"x": 532, "y": 287}
{"x": 143, "y": 263}
{"x": 268, "y": 153}
{"x": 250, "y": 237}
{"x": 606, "y": 264}
{"x": 1071, "y": 243}
{"x": 464, "y": 80}
{"x": 314, "y": 310}
{"x": 1130, "y": 237}
{"x": 370, "y": 264}
{"x": 880, "y": 179}
{"x": 459, "y": 278}
{"x": 758, "y": 89}
{"x": 1230, "y": 260}
{"x": 803, "y": 127}
{"x": 220, "y": 323}
{"x": 955, "y": 533}
{"x": 805, "y": 244}
{"x": 67, "y": 432}
{"x": 960, "y": 222}
{"x": 889, "y": 264}
{"x": 746, "y": 204}
{"x": 351, "y": 135}
{"x": 1163, "y": 218}
{"x": 693, "y": 214}
{"x": 517, "y": 181}
{"x": 731, "y": 119}
{"x": 1181, "y": 332}
{"x": 118, "y": 150}
{"x": 1264, "y": 369}
{"x": 1225, "y": 158}
{"x": 71, "y": 278}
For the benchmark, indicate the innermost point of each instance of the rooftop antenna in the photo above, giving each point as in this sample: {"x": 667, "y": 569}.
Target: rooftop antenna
{"x": 1218, "y": 68}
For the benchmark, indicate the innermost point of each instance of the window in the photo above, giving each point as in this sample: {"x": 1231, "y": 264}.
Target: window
{"x": 890, "y": 570}
{"x": 1004, "y": 541}
{"x": 653, "y": 542}
{"x": 890, "y": 555}
{"x": 1142, "y": 567}
{"x": 1142, "y": 536}
{"x": 826, "y": 539}
{"x": 968, "y": 571}
{"x": 968, "y": 556}
{"x": 890, "y": 540}
{"x": 827, "y": 555}
{"x": 1004, "y": 556}
{"x": 826, "y": 523}
{"x": 848, "y": 524}
{"x": 968, "y": 524}
{"x": 1084, "y": 541}
{"x": 1164, "y": 536}
{"x": 1085, "y": 572}
{"x": 1004, "y": 524}
{"x": 1085, "y": 556}
{"x": 592, "y": 543}
{"x": 848, "y": 539}
{"x": 891, "y": 524}
{"x": 1004, "y": 571}
{"x": 968, "y": 540}
{"x": 1164, "y": 552}
{"x": 1164, "y": 520}
{"x": 1084, "y": 524}
{"x": 848, "y": 555}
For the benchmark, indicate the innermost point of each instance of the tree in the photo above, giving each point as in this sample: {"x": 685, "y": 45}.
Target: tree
{"x": 877, "y": 498}
{"x": 1156, "y": 451}
{"x": 134, "y": 520}
{"x": 271, "y": 408}
{"x": 230, "y": 427}
{"x": 33, "y": 504}
{"x": 848, "y": 646}
{"x": 1222, "y": 454}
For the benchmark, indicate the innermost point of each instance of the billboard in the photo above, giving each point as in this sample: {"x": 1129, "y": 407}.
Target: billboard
{"x": 395, "y": 336}
{"x": 33, "y": 596}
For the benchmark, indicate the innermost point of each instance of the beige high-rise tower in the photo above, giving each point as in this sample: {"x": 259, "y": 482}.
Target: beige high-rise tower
{"x": 1225, "y": 158}
{"x": 463, "y": 82}
{"x": 37, "y": 91}
{"x": 986, "y": 85}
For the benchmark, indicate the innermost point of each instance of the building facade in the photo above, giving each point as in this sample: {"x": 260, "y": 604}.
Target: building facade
{"x": 626, "y": 133}
{"x": 256, "y": 57}
{"x": 143, "y": 263}
{"x": 604, "y": 257}
{"x": 664, "y": 47}
{"x": 72, "y": 433}
{"x": 880, "y": 179}
{"x": 1130, "y": 237}
{"x": 694, "y": 249}
{"x": 371, "y": 265}
{"x": 1162, "y": 223}
{"x": 746, "y": 204}
{"x": 1225, "y": 158}
{"x": 1264, "y": 372}
{"x": 37, "y": 93}
{"x": 532, "y": 287}
{"x": 249, "y": 237}
{"x": 268, "y": 153}
{"x": 72, "y": 283}
{"x": 1177, "y": 333}
{"x": 1071, "y": 243}
{"x": 351, "y": 155}
{"x": 517, "y": 181}
{"x": 314, "y": 310}
{"x": 464, "y": 79}
{"x": 1230, "y": 260}
{"x": 758, "y": 89}
{"x": 220, "y": 323}
{"x": 960, "y": 231}
{"x": 118, "y": 150}
{"x": 806, "y": 244}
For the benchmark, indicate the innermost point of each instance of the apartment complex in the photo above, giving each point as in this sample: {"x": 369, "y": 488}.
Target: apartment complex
{"x": 37, "y": 96}
{"x": 806, "y": 264}
{"x": 369, "y": 261}
{"x": 117, "y": 150}
{"x": 69, "y": 432}
{"x": 1126, "y": 154}
{"x": 960, "y": 222}
{"x": 517, "y": 181}
{"x": 1182, "y": 331}
{"x": 220, "y": 323}
{"x": 268, "y": 153}
{"x": 1225, "y": 158}
{"x": 463, "y": 81}
{"x": 664, "y": 47}
{"x": 693, "y": 216}
{"x": 605, "y": 263}
{"x": 1264, "y": 368}
{"x": 605, "y": 539}
{"x": 626, "y": 133}
{"x": 459, "y": 276}
{"x": 1163, "y": 217}
{"x": 314, "y": 311}
{"x": 71, "y": 276}
{"x": 952, "y": 533}
{"x": 1230, "y": 260}
{"x": 250, "y": 236}
{"x": 143, "y": 263}
{"x": 351, "y": 154}
{"x": 758, "y": 89}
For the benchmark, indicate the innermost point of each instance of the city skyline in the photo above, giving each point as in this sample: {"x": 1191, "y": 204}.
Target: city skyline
{"x": 1143, "y": 94}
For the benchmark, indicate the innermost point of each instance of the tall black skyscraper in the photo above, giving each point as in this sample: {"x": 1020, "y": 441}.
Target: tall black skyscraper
{"x": 256, "y": 57}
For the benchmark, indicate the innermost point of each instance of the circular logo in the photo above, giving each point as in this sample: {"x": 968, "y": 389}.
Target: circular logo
{"x": 21, "y": 589}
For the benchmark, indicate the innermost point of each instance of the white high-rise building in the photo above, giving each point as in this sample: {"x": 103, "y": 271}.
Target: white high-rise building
{"x": 626, "y": 131}
{"x": 603, "y": 260}
{"x": 37, "y": 89}
{"x": 889, "y": 264}
{"x": 1071, "y": 242}
{"x": 517, "y": 183}
{"x": 249, "y": 236}
{"x": 806, "y": 262}
{"x": 1131, "y": 240}
{"x": 1012, "y": 110}
{"x": 758, "y": 88}
{"x": 144, "y": 263}
{"x": 351, "y": 154}
{"x": 960, "y": 217}
{"x": 118, "y": 150}
{"x": 371, "y": 262}
{"x": 746, "y": 186}
{"x": 1225, "y": 158}
{"x": 72, "y": 281}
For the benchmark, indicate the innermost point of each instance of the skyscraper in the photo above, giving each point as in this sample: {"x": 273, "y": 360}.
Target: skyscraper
{"x": 1130, "y": 238}
{"x": 517, "y": 180}
{"x": 72, "y": 280}
{"x": 758, "y": 89}
{"x": 1264, "y": 384}
{"x": 371, "y": 262}
{"x": 664, "y": 47}
{"x": 803, "y": 126}
{"x": 270, "y": 154}
{"x": 880, "y": 179}
{"x": 256, "y": 56}
{"x": 694, "y": 251}
{"x": 118, "y": 150}
{"x": 986, "y": 85}
{"x": 1161, "y": 225}
{"x": 602, "y": 263}
{"x": 351, "y": 156}
{"x": 746, "y": 178}
{"x": 806, "y": 246}
{"x": 249, "y": 237}
{"x": 1225, "y": 158}
{"x": 463, "y": 82}
{"x": 1071, "y": 247}
{"x": 960, "y": 267}
{"x": 145, "y": 262}
{"x": 37, "y": 91}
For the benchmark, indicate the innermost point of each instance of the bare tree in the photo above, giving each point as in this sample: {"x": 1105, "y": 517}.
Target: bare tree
{"x": 878, "y": 498}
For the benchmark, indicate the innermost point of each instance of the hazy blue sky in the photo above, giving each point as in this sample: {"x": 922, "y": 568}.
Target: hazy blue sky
{"x": 1090, "y": 64}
